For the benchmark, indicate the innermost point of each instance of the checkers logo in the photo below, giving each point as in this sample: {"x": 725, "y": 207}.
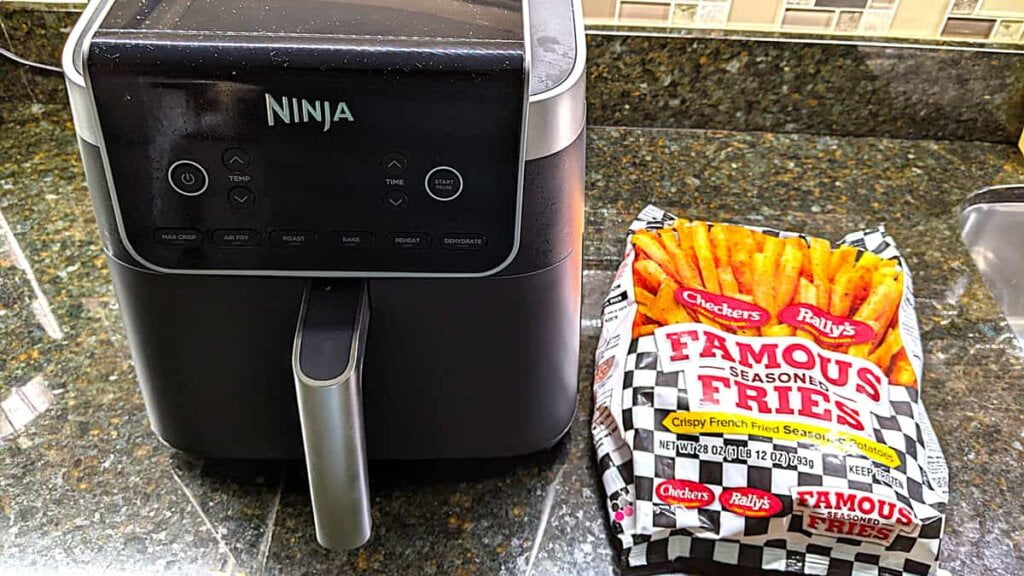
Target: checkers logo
{"x": 684, "y": 493}
{"x": 750, "y": 502}
{"x": 825, "y": 327}
{"x": 730, "y": 311}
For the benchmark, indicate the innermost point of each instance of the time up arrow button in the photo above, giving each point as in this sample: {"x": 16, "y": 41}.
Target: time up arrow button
{"x": 394, "y": 163}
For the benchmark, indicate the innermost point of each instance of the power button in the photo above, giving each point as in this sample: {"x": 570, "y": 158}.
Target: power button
{"x": 187, "y": 177}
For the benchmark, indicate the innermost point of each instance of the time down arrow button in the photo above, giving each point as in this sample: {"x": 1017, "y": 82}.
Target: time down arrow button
{"x": 396, "y": 200}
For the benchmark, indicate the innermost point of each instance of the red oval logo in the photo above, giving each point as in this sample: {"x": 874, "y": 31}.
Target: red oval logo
{"x": 604, "y": 369}
{"x": 750, "y": 502}
{"x": 730, "y": 311}
{"x": 684, "y": 493}
{"x": 826, "y": 327}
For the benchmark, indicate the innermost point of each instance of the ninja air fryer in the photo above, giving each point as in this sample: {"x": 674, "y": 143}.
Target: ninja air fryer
{"x": 341, "y": 229}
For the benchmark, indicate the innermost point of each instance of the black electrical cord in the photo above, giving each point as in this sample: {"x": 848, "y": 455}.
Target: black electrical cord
{"x": 48, "y": 69}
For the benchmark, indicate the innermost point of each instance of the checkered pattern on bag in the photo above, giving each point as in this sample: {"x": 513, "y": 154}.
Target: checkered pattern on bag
{"x": 633, "y": 459}
{"x": 650, "y": 395}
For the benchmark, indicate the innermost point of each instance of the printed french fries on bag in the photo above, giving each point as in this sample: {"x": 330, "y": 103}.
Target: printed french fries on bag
{"x": 757, "y": 403}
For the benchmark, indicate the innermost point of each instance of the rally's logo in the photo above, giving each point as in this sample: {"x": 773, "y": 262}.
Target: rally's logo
{"x": 826, "y": 328}
{"x": 750, "y": 502}
{"x": 724, "y": 309}
{"x": 684, "y": 493}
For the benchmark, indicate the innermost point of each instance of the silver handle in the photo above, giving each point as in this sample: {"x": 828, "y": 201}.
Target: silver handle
{"x": 327, "y": 360}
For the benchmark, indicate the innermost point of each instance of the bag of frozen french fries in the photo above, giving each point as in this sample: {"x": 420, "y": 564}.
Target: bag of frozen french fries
{"x": 757, "y": 403}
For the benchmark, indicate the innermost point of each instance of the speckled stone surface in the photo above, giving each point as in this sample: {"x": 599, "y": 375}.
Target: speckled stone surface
{"x": 37, "y": 35}
{"x": 87, "y": 487}
{"x": 819, "y": 88}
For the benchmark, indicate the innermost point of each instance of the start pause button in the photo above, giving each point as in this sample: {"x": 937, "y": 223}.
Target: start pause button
{"x": 444, "y": 183}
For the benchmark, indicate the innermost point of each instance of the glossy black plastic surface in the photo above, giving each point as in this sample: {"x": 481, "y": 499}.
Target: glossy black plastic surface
{"x": 552, "y": 35}
{"x": 441, "y": 19}
{"x": 318, "y": 121}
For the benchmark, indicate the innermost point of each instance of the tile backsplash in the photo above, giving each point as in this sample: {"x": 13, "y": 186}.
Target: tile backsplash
{"x": 994, "y": 21}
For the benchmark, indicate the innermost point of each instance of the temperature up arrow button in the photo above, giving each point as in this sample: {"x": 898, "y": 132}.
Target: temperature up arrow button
{"x": 236, "y": 160}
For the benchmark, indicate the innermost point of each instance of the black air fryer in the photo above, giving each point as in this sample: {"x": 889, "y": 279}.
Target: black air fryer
{"x": 341, "y": 228}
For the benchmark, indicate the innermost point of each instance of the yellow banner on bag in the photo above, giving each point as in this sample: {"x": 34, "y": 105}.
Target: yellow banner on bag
{"x": 725, "y": 423}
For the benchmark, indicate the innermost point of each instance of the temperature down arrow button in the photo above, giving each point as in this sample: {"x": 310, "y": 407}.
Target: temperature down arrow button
{"x": 241, "y": 197}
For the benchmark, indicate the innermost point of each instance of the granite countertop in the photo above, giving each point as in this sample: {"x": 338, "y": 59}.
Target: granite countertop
{"x": 87, "y": 486}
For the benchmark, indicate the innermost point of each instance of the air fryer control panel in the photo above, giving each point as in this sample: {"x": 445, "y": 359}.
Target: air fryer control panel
{"x": 308, "y": 159}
